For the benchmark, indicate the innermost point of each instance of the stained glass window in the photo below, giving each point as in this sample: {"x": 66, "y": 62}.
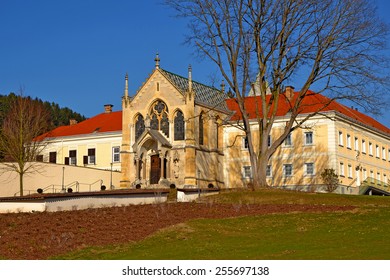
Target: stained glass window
{"x": 159, "y": 117}
{"x": 139, "y": 126}
{"x": 179, "y": 126}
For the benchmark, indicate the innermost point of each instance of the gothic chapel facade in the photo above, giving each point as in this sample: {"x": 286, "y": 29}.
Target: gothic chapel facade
{"x": 172, "y": 133}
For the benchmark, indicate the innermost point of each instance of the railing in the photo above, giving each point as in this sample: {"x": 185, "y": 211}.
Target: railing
{"x": 25, "y": 192}
{"x": 100, "y": 181}
{"x": 75, "y": 183}
{"x": 59, "y": 188}
{"x": 53, "y": 188}
{"x": 374, "y": 183}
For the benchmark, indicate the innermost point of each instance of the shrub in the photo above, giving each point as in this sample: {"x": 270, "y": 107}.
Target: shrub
{"x": 330, "y": 179}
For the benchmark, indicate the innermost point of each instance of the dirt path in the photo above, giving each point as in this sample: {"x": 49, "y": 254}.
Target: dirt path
{"x": 42, "y": 235}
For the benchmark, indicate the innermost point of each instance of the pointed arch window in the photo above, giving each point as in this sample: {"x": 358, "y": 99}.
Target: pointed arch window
{"x": 139, "y": 126}
{"x": 201, "y": 129}
{"x": 179, "y": 126}
{"x": 159, "y": 117}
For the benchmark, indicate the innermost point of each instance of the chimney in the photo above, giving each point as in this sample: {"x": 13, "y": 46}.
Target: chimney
{"x": 108, "y": 108}
{"x": 289, "y": 92}
{"x": 72, "y": 122}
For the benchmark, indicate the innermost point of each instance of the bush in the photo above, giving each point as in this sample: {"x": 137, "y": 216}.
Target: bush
{"x": 330, "y": 179}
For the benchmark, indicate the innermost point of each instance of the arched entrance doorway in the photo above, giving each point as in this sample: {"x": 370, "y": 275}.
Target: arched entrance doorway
{"x": 155, "y": 169}
{"x": 151, "y": 158}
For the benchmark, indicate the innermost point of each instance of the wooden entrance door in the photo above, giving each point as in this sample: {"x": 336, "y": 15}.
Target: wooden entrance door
{"x": 155, "y": 169}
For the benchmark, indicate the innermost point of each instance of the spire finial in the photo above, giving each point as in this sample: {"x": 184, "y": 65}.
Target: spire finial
{"x": 189, "y": 78}
{"x": 126, "y": 85}
{"x": 223, "y": 86}
{"x": 157, "y": 60}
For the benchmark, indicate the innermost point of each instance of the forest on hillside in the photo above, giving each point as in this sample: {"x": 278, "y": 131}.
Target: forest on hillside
{"x": 58, "y": 116}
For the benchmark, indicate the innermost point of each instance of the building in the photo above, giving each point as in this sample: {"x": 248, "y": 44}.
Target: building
{"x": 94, "y": 142}
{"x": 176, "y": 132}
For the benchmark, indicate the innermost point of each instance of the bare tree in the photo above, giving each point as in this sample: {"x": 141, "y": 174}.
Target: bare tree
{"x": 22, "y": 124}
{"x": 333, "y": 46}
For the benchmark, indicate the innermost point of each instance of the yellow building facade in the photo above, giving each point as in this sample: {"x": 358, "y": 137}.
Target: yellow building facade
{"x": 176, "y": 132}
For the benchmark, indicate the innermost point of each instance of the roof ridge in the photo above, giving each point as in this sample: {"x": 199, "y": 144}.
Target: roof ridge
{"x": 180, "y": 76}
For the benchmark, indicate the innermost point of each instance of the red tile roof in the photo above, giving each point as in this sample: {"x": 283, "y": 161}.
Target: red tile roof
{"x": 311, "y": 103}
{"x": 105, "y": 122}
{"x": 111, "y": 122}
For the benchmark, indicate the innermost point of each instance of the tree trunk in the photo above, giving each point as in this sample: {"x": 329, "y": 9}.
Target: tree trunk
{"x": 21, "y": 183}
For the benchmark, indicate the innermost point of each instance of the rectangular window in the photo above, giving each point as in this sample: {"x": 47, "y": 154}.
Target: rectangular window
{"x": 288, "y": 141}
{"x": 53, "y": 157}
{"x": 116, "y": 156}
{"x": 385, "y": 179}
{"x": 309, "y": 169}
{"x": 364, "y": 174}
{"x": 269, "y": 171}
{"x": 72, "y": 157}
{"x": 341, "y": 142}
{"x": 370, "y": 148}
{"x": 348, "y": 141}
{"x": 349, "y": 171}
{"x": 247, "y": 172}
{"x": 342, "y": 169}
{"x": 383, "y": 153}
{"x": 245, "y": 144}
{"x": 378, "y": 176}
{"x": 287, "y": 170}
{"x": 371, "y": 176}
{"x": 377, "y": 154}
{"x": 91, "y": 156}
{"x": 363, "y": 146}
{"x": 356, "y": 144}
{"x": 309, "y": 138}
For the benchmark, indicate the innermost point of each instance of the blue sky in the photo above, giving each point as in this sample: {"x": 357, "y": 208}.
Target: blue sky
{"x": 77, "y": 52}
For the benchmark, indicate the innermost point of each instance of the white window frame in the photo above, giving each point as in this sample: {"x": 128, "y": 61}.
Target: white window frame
{"x": 72, "y": 160}
{"x": 311, "y": 142}
{"x": 91, "y": 159}
{"x": 245, "y": 143}
{"x": 342, "y": 169}
{"x": 370, "y": 151}
{"x": 377, "y": 152}
{"x": 350, "y": 171}
{"x": 383, "y": 153}
{"x": 364, "y": 146}
{"x": 288, "y": 141}
{"x": 116, "y": 153}
{"x": 307, "y": 164}
{"x": 341, "y": 139}
{"x": 247, "y": 171}
{"x": 348, "y": 141}
{"x": 288, "y": 170}
{"x": 269, "y": 170}
{"x": 356, "y": 144}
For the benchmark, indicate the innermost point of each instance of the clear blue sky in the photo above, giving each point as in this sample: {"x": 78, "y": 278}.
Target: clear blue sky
{"x": 77, "y": 52}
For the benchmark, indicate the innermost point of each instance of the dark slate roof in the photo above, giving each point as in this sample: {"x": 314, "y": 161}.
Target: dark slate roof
{"x": 204, "y": 95}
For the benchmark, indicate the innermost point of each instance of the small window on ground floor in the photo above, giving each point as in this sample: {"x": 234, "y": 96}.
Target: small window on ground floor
{"x": 247, "y": 171}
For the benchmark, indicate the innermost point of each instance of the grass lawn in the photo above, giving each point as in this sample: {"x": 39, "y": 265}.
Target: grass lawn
{"x": 363, "y": 233}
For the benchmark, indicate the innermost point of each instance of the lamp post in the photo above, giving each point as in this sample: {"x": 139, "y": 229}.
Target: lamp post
{"x": 111, "y": 187}
{"x": 198, "y": 183}
{"x": 63, "y": 178}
